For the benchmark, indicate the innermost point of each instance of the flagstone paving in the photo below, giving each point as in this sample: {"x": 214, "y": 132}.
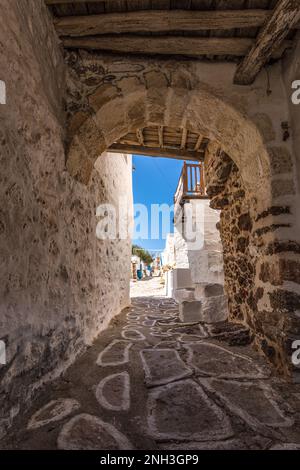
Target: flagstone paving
{"x": 149, "y": 382}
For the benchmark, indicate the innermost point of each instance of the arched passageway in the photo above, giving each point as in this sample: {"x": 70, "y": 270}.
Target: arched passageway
{"x": 248, "y": 173}
{"x": 60, "y": 286}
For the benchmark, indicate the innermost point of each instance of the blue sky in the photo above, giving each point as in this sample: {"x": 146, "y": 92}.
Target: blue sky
{"x": 154, "y": 182}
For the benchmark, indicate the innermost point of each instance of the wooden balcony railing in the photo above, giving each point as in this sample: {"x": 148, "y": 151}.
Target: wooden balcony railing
{"x": 191, "y": 183}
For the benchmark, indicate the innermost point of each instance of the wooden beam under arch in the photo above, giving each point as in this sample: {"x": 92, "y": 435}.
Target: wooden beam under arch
{"x": 157, "y": 152}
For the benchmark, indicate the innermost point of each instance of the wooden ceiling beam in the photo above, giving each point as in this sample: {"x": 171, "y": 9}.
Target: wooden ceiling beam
{"x": 183, "y": 138}
{"x": 159, "y": 21}
{"x": 140, "y": 136}
{"x": 284, "y": 18}
{"x": 157, "y": 152}
{"x": 161, "y": 136}
{"x": 127, "y": 141}
{"x": 168, "y": 45}
{"x": 198, "y": 143}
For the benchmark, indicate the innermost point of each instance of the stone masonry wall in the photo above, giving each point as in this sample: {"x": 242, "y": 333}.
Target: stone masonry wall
{"x": 225, "y": 188}
{"x": 60, "y": 285}
{"x": 254, "y": 273}
{"x": 288, "y": 273}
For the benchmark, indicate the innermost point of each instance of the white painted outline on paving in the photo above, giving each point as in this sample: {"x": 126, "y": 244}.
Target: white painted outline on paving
{"x": 203, "y": 331}
{"x": 2, "y": 92}
{"x": 125, "y": 399}
{"x": 228, "y": 444}
{"x": 133, "y": 317}
{"x": 259, "y": 375}
{"x": 159, "y": 317}
{"x": 64, "y": 442}
{"x": 252, "y": 421}
{"x": 199, "y": 339}
{"x": 169, "y": 321}
{"x": 68, "y": 404}
{"x": 223, "y": 431}
{"x": 158, "y": 332}
{"x": 99, "y": 361}
{"x": 161, "y": 335}
{"x": 127, "y": 329}
{"x": 167, "y": 344}
{"x": 149, "y": 323}
{"x": 132, "y": 324}
{"x": 148, "y": 376}
{"x": 155, "y": 328}
{"x": 2, "y": 353}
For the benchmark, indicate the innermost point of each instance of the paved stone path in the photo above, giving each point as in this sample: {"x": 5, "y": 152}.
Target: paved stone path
{"x": 150, "y": 383}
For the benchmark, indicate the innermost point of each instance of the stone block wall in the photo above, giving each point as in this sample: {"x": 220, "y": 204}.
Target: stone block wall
{"x": 259, "y": 276}
{"x": 60, "y": 285}
{"x": 225, "y": 188}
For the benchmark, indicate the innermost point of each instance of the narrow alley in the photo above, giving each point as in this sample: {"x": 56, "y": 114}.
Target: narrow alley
{"x": 149, "y": 382}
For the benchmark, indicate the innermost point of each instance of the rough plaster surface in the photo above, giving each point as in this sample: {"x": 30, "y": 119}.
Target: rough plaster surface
{"x": 60, "y": 286}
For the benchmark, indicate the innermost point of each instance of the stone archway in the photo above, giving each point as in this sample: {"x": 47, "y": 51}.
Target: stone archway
{"x": 159, "y": 98}
{"x": 114, "y": 102}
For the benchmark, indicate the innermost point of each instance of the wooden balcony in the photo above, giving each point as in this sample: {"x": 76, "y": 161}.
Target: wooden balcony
{"x": 191, "y": 183}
